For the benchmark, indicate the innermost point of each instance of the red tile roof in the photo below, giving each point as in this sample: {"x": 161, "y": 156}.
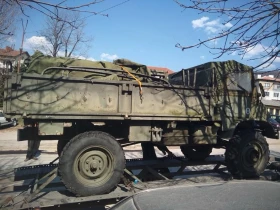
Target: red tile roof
{"x": 266, "y": 78}
{"x": 8, "y": 51}
{"x": 169, "y": 71}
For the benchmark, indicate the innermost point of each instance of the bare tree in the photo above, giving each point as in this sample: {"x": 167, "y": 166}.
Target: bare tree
{"x": 74, "y": 38}
{"x": 63, "y": 36}
{"x": 53, "y": 32}
{"x": 8, "y": 14}
{"x": 46, "y": 8}
{"x": 253, "y": 23}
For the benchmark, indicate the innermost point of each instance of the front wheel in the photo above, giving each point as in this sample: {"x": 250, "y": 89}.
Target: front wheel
{"x": 247, "y": 154}
{"x": 14, "y": 122}
{"x": 91, "y": 163}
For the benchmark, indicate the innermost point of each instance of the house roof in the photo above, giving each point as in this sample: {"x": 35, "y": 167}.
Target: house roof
{"x": 271, "y": 102}
{"x": 275, "y": 73}
{"x": 267, "y": 78}
{"x": 162, "y": 69}
{"x": 9, "y": 52}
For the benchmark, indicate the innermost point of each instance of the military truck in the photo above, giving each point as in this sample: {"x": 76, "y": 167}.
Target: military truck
{"x": 94, "y": 109}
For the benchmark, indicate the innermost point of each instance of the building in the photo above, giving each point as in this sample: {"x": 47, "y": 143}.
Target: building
{"x": 160, "y": 71}
{"x": 9, "y": 58}
{"x": 271, "y": 87}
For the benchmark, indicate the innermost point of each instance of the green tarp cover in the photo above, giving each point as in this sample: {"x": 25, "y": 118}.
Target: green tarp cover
{"x": 38, "y": 62}
{"x": 204, "y": 74}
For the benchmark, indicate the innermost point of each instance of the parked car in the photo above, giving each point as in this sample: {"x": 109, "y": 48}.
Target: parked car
{"x": 275, "y": 125}
{"x": 275, "y": 117}
{"x": 5, "y": 121}
{"x": 201, "y": 196}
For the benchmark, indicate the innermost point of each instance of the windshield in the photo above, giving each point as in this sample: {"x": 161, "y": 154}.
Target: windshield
{"x": 272, "y": 121}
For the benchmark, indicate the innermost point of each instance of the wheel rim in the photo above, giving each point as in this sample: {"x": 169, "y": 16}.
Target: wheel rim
{"x": 252, "y": 155}
{"x": 94, "y": 166}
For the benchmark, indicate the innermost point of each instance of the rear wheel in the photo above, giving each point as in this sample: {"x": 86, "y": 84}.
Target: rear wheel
{"x": 91, "y": 163}
{"x": 247, "y": 154}
{"x": 196, "y": 152}
{"x": 60, "y": 145}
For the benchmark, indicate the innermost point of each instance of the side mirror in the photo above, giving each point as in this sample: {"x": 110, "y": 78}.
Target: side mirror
{"x": 262, "y": 90}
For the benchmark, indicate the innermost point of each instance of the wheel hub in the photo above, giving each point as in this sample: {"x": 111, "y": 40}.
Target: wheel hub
{"x": 254, "y": 156}
{"x": 251, "y": 155}
{"x": 94, "y": 165}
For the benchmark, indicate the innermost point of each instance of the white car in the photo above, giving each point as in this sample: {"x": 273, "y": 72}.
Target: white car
{"x": 4, "y": 121}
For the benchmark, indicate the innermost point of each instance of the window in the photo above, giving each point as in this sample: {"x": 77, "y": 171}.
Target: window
{"x": 276, "y": 86}
{"x": 266, "y": 85}
{"x": 266, "y": 93}
{"x": 276, "y": 95}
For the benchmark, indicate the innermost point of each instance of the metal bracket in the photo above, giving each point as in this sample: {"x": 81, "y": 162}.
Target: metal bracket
{"x": 52, "y": 175}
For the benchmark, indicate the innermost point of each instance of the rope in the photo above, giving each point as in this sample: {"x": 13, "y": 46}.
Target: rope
{"x": 139, "y": 82}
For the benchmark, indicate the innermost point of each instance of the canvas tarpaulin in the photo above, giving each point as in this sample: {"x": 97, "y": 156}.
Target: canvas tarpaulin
{"x": 208, "y": 73}
{"x": 38, "y": 62}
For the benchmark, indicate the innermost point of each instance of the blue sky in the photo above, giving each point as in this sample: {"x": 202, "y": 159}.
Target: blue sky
{"x": 144, "y": 31}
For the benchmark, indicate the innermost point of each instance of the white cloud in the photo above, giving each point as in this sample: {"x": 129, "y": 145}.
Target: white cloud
{"x": 108, "y": 57}
{"x": 277, "y": 60}
{"x": 37, "y": 43}
{"x": 11, "y": 39}
{"x": 211, "y": 27}
{"x": 228, "y": 25}
{"x": 84, "y": 58}
{"x": 42, "y": 44}
{"x": 202, "y": 57}
{"x": 234, "y": 53}
{"x": 253, "y": 51}
{"x": 256, "y": 50}
{"x": 199, "y": 22}
{"x": 267, "y": 67}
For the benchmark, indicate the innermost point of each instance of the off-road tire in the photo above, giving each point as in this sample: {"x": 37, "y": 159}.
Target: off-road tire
{"x": 247, "y": 154}
{"x": 196, "y": 152}
{"x": 75, "y": 153}
{"x": 60, "y": 145}
{"x": 14, "y": 122}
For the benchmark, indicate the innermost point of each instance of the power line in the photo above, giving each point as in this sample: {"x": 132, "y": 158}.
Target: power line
{"x": 113, "y": 6}
{"x": 117, "y": 5}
